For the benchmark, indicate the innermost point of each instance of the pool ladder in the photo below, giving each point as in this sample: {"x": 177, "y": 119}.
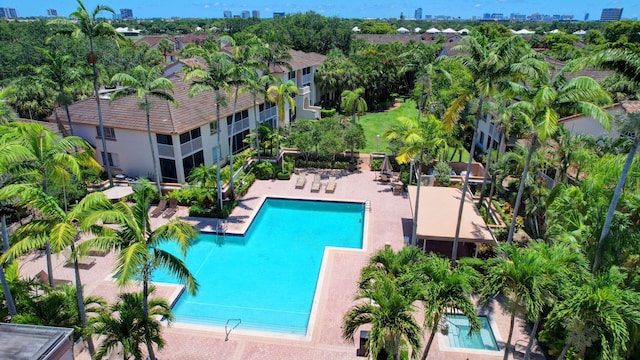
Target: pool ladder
{"x": 228, "y": 329}
{"x": 367, "y": 205}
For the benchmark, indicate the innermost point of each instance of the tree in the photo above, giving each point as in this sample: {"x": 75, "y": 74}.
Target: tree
{"x": 519, "y": 276}
{"x": 140, "y": 246}
{"x": 88, "y": 25}
{"x": 447, "y": 287}
{"x": 6, "y": 112}
{"x": 165, "y": 47}
{"x": 354, "y": 137}
{"x": 33, "y": 97}
{"x": 281, "y": 94}
{"x": 56, "y": 227}
{"x": 353, "y": 102}
{"x": 125, "y": 324}
{"x": 492, "y": 65}
{"x": 422, "y": 141}
{"x": 145, "y": 83}
{"x": 540, "y": 107}
{"x": 213, "y": 78}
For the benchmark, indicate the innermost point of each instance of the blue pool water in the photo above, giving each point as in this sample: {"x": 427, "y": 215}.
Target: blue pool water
{"x": 459, "y": 330}
{"x": 268, "y": 277}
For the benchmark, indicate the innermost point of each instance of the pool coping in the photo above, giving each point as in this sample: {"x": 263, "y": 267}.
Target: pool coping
{"x": 443, "y": 341}
{"x": 315, "y": 305}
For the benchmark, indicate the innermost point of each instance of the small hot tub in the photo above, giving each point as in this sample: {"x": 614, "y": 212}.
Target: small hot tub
{"x": 459, "y": 337}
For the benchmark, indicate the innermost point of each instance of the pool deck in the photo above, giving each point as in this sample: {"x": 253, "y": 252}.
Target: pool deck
{"x": 389, "y": 221}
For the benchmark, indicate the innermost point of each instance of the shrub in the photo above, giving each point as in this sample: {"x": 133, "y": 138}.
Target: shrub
{"x": 243, "y": 185}
{"x": 264, "y": 171}
{"x": 327, "y": 113}
{"x": 442, "y": 174}
{"x": 284, "y": 175}
{"x": 200, "y": 211}
{"x": 186, "y": 196}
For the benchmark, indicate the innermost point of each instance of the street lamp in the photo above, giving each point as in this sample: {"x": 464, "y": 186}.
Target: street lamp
{"x": 377, "y": 142}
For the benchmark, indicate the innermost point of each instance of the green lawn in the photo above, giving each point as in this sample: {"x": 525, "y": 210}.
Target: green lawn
{"x": 377, "y": 122}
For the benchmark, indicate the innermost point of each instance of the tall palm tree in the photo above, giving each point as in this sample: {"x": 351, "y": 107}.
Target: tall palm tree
{"x": 55, "y": 226}
{"x": 257, "y": 85}
{"x": 422, "y": 141}
{"x": 281, "y": 94}
{"x": 85, "y": 24}
{"x": 540, "y": 107}
{"x": 59, "y": 69}
{"x": 447, "y": 287}
{"x": 124, "y": 325}
{"x": 389, "y": 311}
{"x": 626, "y": 64}
{"x": 140, "y": 246}
{"x": 353, "y": 102}
{"x": 491, "y": 65}
{"x": 518, "y": 276}
{"x": 212, "y": 78}
{"x": 145, "y": 83}
{"x": 388, "y": 263}
{"x": 53, "y": 161}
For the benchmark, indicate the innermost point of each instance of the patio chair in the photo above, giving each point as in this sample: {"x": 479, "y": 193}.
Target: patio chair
{"x": 385, "y": 177}
{"x": 315, "y": 186}
{"x": 397, "y": 189}
{"x": 331, "y": 185}
{"x": 85, "y": 262}
{"x": 172, "y": 209}
{"x": 43, "y": 278}
{"x": 302, "y": 180}
{"x": 162, "y": 205}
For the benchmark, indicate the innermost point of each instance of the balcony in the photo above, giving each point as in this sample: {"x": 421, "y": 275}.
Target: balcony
{"x": 304, "y": 90}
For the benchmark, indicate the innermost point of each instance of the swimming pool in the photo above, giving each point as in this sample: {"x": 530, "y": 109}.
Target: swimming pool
{"x": 459, "y": 330}
{"x": 267, "y": 278}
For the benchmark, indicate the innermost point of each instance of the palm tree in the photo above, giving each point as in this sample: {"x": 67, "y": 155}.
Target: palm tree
{"x": 53, "y": 160}
{"x": 257, "y": 85}
{"x": 353, "y": 102}
{"x": 422, "y": 141}
{"x": 60, "y": 71}
{"x": 213, "y": 78}
{"x": 600, "y": 311}
{"x": 81, "y": 23}
{"x": 388, "y": 263}
{"x": 518, "y": 276}
{"x": 540, "y": 107}
{"x": 281, "y": 94}
{"x": 140, "y": 246}
{"x": 6, "y": 112}
{"x": 447, "y": 287}
{"x": 626, "y": 64}
{"x": 491, "y": 65}
{"x": 165, "y": 46}
{"x": 55, "y": 226}
{"x": 389, "y": 311}
{"x": 124, "y": 325}
{"x": 144, "y": 83}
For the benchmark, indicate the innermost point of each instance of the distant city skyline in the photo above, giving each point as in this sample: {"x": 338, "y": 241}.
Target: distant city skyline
{"x": 464, "y": 9}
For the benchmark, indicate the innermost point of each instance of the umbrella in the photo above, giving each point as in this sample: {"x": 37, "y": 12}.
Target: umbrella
{"x": 386, "y": 165}
{"x": 118, "y": 192}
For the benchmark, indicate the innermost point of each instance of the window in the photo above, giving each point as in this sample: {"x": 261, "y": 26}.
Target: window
{"x": 306, "y": 71}
{"x": 191, "y": 161}
{"x": 482, "y": 139}
{"x": 213, "y": 127}
{"x": 110, "y": 158}
{"x": 292, "y": 75}
{"x": 164, "y": 139}
{"x": 306, "y": 76}
{"x": 109, "y": 132}
{"x": 238, "y": 130}
{"x": 168, "y": 170}
{"x": 190, "y": 135}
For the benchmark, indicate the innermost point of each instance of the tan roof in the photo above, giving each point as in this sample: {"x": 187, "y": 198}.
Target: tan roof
{"x": 631, "y": 107}
{"x": 438, "y": 215}
{"x": 404, "y": 38}
{"x": 152, "y": 40}
{"x": 300, "y": 60}
{"x": 557, "y": 65}
{"x": 165, "y": 119}
{"x": 51, "y": 126}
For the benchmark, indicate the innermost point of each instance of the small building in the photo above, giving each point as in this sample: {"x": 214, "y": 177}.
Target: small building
{"x": 30, "y": 342}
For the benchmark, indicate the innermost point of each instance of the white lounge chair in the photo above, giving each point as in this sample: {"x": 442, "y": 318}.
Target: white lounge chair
{"x": 315, "y": 186}
{"x": 302, "y": 180}
{"x": 331, "y": 185}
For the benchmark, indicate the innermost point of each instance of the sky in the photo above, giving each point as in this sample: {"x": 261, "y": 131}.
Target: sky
{"x": 464, "y": 9}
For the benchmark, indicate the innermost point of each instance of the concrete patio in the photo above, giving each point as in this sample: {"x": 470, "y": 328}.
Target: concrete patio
{"x": 389, "y": 222}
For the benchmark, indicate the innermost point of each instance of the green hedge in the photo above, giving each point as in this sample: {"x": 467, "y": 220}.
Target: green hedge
{"x": 197, "y": 210}
{"x": 284, "y": 175}
{"x": 327, "y": 113}
{"x": 264, "y": 170}
{"x": 323, "y": 164}
{"x": 242, "y": 186}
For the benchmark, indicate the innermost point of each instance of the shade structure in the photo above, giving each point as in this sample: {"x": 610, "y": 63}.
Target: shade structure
{"x": 118, "y": 192}
{"x": 386, "y": 165}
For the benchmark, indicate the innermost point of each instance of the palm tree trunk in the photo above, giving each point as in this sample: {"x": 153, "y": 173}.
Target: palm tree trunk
{"x": 5, "y": 234}
{"x": 256, "y": 116}
{"x": 219, "y": 155}
{"x": 396, "y": 347}
{"x": 145, "y": 311}
{"x": 153, "y": 152}
{"x": 81, "y": 308}
{"x": 507, "y": 346}
{"x": 8, "y": 298}
{"x": 525, "y": 172}
{"x": 534, "y": 331}
{"x": 49, "y": 265}
{"x": 434, "y": 329}
{"x": 100, "y": 123}
{"x": 565, "y": 349}
{"x": 486, "y": 172}
{"x": 465, "y": 187}
{"x": 614, "y": 200}
{"x": 493, "y": 176}
{"x": 233, "y": 128}
{"x": 414, "y": 226}
{"x": 66, "y": 109}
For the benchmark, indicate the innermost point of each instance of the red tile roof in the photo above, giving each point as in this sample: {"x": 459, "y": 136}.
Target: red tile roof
{"x": 300, "y": 60}
{"x": 631, "y": 107}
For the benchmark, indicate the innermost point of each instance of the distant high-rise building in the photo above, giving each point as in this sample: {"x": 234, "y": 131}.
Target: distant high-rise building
{"x": 278, "y": 14}
{"x": 9, "y": 13}
{"x": 245, "y": 14}
{"x": 586, "y": 16}
{"x": 613, "y": 14}
{"x": 486, "y": 16}
{"x": 428, "y": 17}
{"x": 255, "y": 14}
{"x": 228, "y": 14}
{"x": 52, "y": 13}
{"x": 418, "y": 14}
{"x": 518, "y": 17}
{"x": 566, "y": 17}
{"x": 126, "y": 14}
